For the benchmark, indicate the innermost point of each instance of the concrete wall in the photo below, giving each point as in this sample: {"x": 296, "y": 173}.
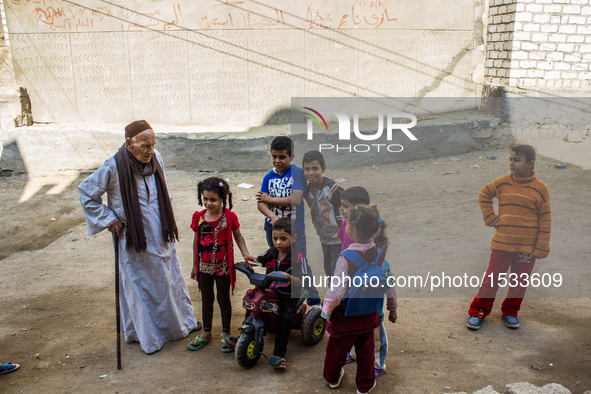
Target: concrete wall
{"x": 539, "y": 44}
{"x": 230, "y": 66}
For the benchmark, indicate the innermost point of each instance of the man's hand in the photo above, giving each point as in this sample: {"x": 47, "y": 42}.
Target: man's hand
{"x": 115, "y": 226}
{"x": 393, "y": 316}
{"x": 264, "y": 197}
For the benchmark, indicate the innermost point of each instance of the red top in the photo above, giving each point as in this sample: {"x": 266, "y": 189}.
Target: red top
{"x": 215, "y": 246}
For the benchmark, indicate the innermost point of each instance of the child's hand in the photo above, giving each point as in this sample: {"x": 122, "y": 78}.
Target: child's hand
{"x": 288, "y": 276}
{"x": 251, "y": 259}
{"x": 393, "y": 316}
{"x": 264, "y": 197}
{"x": 193, "y": 273}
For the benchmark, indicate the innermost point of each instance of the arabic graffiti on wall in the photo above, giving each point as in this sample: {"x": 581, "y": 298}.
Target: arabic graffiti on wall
{"x": 98, "y": 15}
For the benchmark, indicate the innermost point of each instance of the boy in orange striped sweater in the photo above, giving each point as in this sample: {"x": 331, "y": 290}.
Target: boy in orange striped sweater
{"x": 522, "y": 234}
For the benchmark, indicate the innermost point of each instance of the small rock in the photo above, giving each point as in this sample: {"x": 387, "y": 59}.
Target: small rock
{"x": 434, "y": 163}
{"x": 476, "y": 166}
{"x": 585, "y": 168}
{"x": 52, "y": 220}
{"x": 479, "y": 157}
{"x": 454, "y": 159}
{"x": 81, "y": 366}
{"x": 381, "y": 192}
{"x": 487, "y": 390}
{"x": 102, "y": 376}
{"x": 448, "y": 173}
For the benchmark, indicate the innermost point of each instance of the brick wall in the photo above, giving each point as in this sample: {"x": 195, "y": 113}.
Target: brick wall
{"x": 542, "y": 44}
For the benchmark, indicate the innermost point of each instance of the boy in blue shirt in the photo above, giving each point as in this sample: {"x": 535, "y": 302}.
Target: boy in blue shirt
{"x": 282, "y": 195}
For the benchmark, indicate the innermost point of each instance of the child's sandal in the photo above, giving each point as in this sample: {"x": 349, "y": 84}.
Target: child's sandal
{"x": 277, "y": 362}
{"x": 198, "y": 343}
{"x": 227, "y": 346}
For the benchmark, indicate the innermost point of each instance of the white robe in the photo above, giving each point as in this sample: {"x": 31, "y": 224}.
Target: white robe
{"x": 155, "y": 303}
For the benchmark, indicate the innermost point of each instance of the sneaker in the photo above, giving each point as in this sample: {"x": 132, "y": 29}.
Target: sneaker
{"x": 511, "y": 321}
{"x": 338, "y": 383}
{"x": 365, "y": 392}
{"x": 474, "y": 322}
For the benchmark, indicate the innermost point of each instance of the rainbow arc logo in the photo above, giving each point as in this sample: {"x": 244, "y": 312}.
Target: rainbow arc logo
{"x": 316, "y": 118}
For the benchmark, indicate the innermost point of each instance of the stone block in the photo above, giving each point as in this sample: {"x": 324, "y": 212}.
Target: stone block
{"x": 583, "y": 29}
{"x": 580, "y": 67}
{"x": 523, "y": 16}
{"x": 508, "y": 18}
{"x": 572, "y": 57}
{"x": 519, "y": 55}
{"x": 534, "y": 8}
{"x": 539, "y": 37}
{"x": 552, "y": 75}
{"x": 545, "y": 65}
{"x": 586, "y": 11}
{"x": 571, "y": 9}
{"x": 547, "y": 47}
{"x": 566, "y": 47}
{"x": 568, "y": 75}
{"x": 577, "y": 20}
{"x": 567, "y": 29}
{"x": 555, "y": 57}
{"x": 535, "y": 73}
{"x": 533, "y": 27}
{"x": 529, "y": 46}
{"x": 557, "y": 38}
{"x": 537, "y": 55}
{"x": 575, "y": 38}
{"x": 552, "y": 9}
{"x": 549, "y": 28}
{"x": 527, "y": 64}
{"x": 542, "y": 18}
{"x": 515, "y": 73}
{"x": 561, "y": 66}
{"x": 585, "y": 48}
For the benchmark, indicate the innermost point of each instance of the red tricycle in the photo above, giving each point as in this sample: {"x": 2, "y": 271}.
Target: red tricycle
{"x": 263, "y": 306}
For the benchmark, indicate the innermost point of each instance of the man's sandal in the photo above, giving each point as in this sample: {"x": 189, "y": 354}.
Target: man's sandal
{"x": 198, "y": 327}
{"x": 198, "y": 343}
{"x": 8, "y": 368}
{"x": 277, "y": 362}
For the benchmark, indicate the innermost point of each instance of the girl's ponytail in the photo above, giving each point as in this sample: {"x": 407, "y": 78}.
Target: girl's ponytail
{"x": 381, "y": 240}
{"x": 366, "y": 220}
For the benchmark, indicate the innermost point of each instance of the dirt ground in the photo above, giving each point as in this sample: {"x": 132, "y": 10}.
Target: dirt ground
{"x": 57, "y": 293}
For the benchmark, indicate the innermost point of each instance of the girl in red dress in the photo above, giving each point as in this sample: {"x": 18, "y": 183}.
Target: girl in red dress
{"x": 213, "y": 257}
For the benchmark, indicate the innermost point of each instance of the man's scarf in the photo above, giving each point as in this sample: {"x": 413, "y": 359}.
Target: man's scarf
{"x": 127, "y": 165}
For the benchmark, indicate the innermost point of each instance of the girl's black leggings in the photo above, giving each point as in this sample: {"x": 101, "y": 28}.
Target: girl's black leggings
{"x": 222, "y": 284}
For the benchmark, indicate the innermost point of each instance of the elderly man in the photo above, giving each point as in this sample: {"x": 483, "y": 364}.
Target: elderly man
{"x": 155, "y": 303}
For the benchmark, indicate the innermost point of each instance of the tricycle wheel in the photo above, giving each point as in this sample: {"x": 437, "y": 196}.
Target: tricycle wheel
{"x": 313, "y": 326}
{"x": 245, "y": 350}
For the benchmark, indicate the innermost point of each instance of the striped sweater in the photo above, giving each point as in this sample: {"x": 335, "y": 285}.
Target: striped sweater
{"x": 524, "y": 214}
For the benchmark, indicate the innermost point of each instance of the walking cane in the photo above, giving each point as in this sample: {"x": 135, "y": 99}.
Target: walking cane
{"x": 117, "y": 305}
